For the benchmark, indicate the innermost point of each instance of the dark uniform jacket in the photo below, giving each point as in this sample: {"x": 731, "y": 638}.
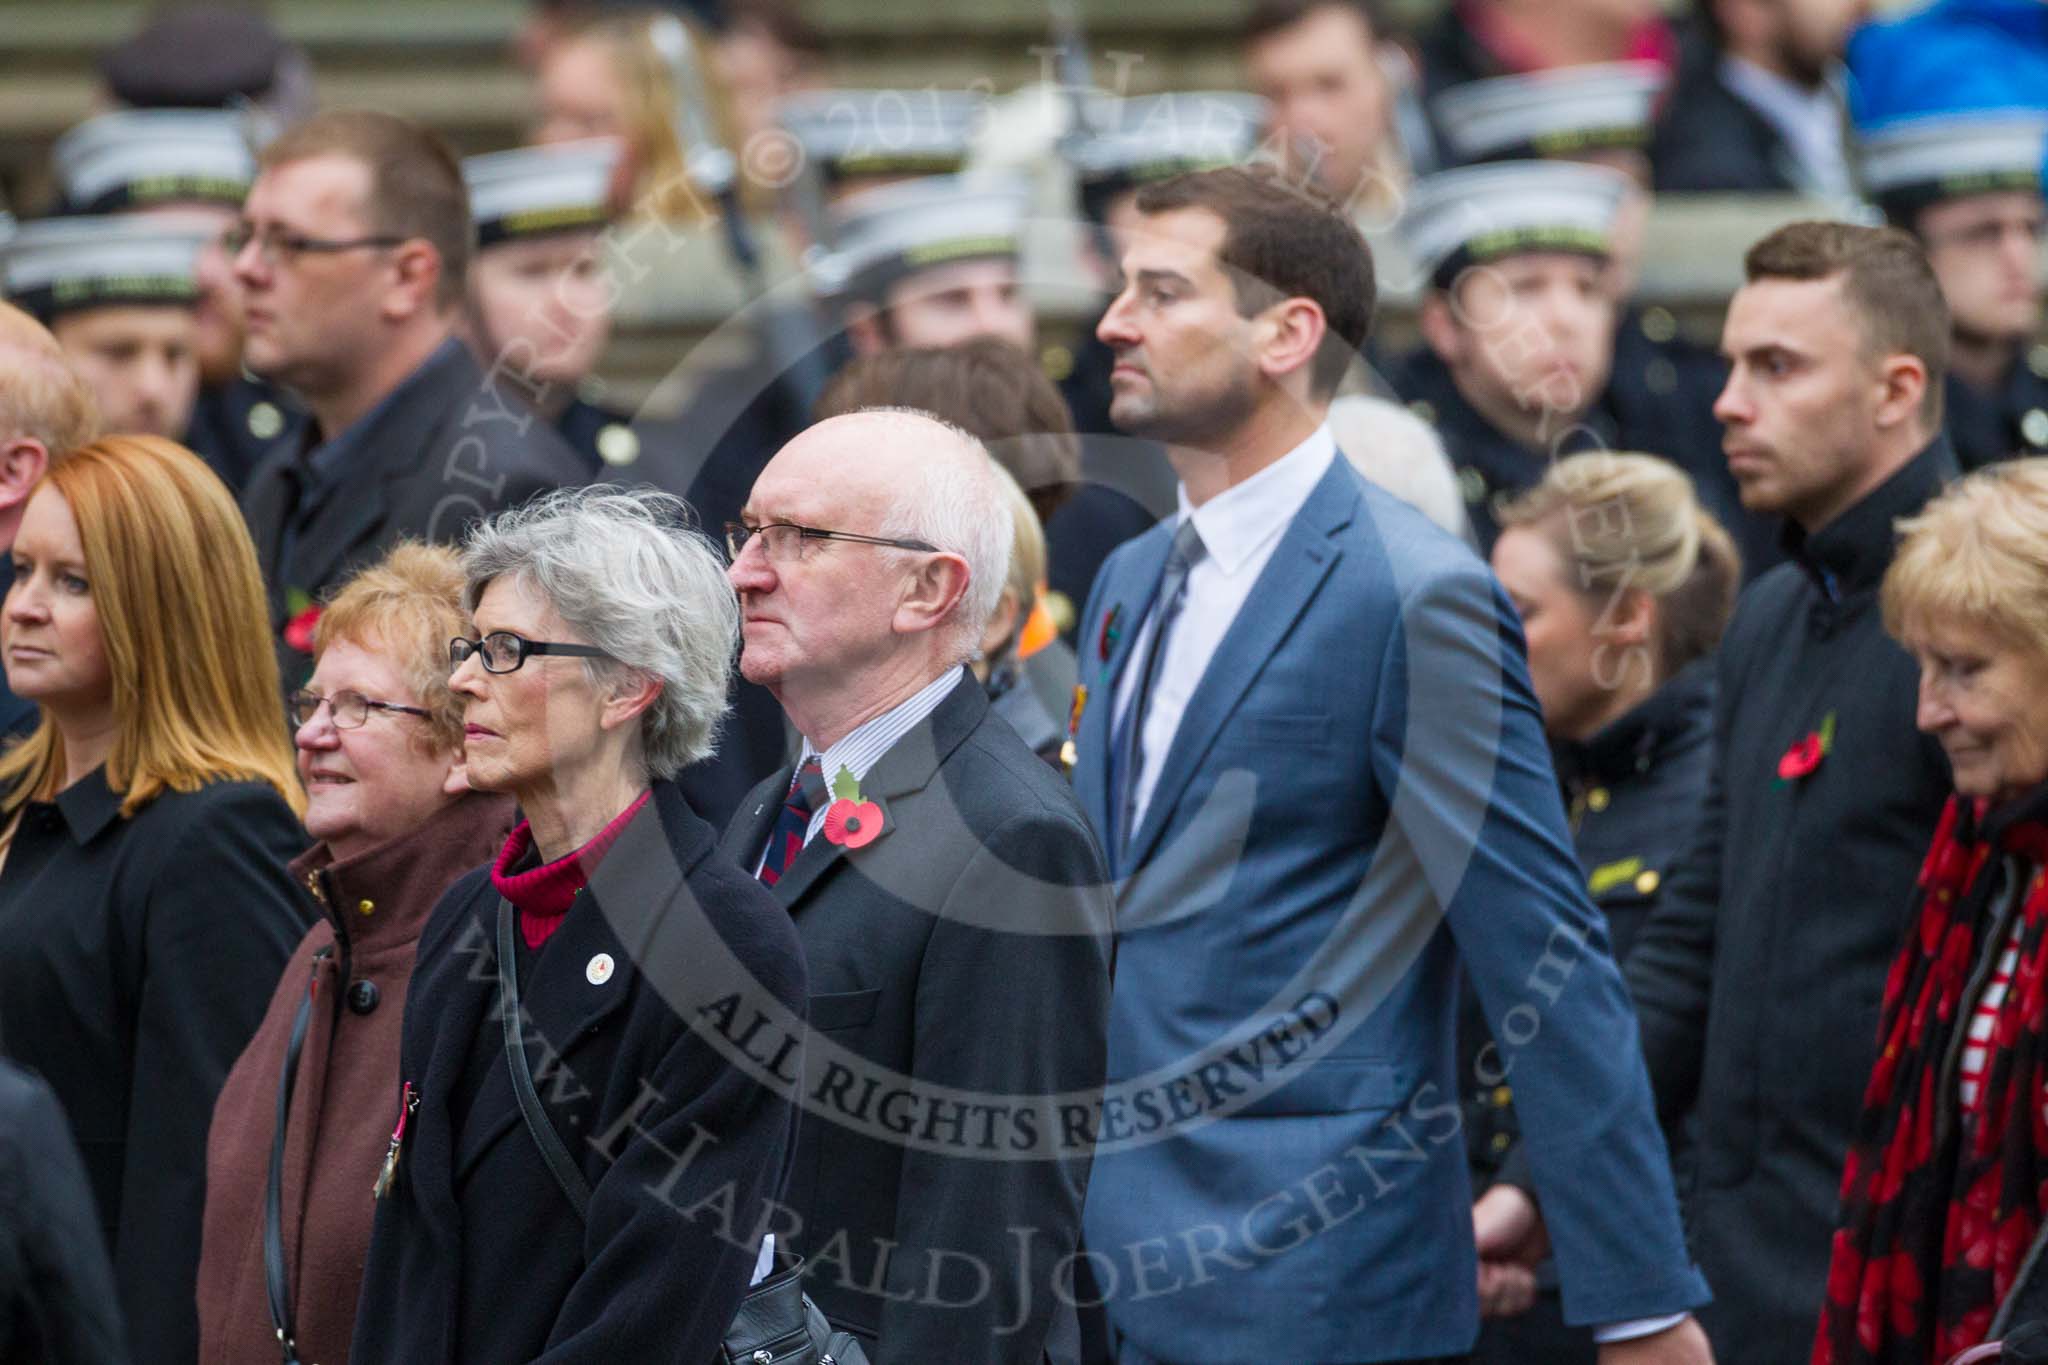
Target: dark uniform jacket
{"x": 1757, "y": 977}
{"x": 1989, "y": 427}
{"x": 57, "y": 1303}
{"x": 960, "y": 968}
{"x": 1708, "y": 138}
{"x": 1491, "y": 465}
{"x": 640, "y": 1020}
{"x": 234, "y": 425}
{"x": 442, "y": 451}
{"x": 136, "y": 957}
{"x": 1633, "y": 795}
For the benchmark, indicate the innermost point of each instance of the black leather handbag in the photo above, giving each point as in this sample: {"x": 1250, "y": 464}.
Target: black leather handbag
{"x": 777, "y": 1324}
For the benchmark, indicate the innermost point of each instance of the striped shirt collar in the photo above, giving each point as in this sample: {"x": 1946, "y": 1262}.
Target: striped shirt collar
{"x": 863, "y": 748}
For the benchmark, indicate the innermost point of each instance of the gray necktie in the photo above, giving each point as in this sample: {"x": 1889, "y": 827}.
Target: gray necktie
{"x": 1187, "y": 551}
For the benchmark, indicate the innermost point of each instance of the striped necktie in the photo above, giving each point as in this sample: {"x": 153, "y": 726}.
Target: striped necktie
{"x": 786, "y": 840}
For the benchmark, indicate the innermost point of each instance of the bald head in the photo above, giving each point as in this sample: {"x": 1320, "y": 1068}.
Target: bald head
{"x": 837, "y": 626}
{"x": 45, "y": 410}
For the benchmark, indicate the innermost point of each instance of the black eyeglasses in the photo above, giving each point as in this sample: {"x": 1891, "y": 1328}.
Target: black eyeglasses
{"x": 503, "y": 652}
{"x": 275, "y": 246}
{"x": 785, "y": 539}
{"x": 351, "y": 708}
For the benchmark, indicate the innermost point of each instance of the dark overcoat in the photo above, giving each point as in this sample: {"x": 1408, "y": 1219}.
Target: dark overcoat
{"x": 960, "y": 970}
{"x": 638, "y": 1021}
{"x": 136, "y": 958}
{"x": 1758, "y": 975}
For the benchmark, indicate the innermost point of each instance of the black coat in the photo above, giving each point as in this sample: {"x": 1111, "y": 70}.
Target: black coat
{"x": 1708, "y": 138}
{"x": 442, "y": 451}
{"x": 965, "y": 948}
{"x": 57, "y": 1302}
{"x": 476, "y": 1254}
{"x": 136, "y": 960}
{"x": 1758, "y": 976}
{"x": 1989, "y": 427}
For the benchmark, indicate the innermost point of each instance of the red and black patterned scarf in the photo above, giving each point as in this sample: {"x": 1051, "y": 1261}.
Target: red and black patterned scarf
{"x": 1938, "y": 1209}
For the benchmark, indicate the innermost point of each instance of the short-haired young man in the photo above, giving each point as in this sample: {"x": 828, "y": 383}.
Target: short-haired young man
{"x": 1308, "y": 744}
{"x": 1758, "y": 976}
{"x": 352, "y": 252}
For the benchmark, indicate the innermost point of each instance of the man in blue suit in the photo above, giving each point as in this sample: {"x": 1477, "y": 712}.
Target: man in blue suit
{"x": 1307, "y": 740}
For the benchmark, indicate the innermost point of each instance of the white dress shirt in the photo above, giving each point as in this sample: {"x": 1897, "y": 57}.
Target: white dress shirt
{"x": 1812, "y": 121}
{"x": 863, "y": 747}
{"x": 1239, "y": 528}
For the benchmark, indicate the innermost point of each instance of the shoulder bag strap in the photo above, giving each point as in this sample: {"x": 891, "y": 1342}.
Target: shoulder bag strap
{"x": 276, "y": 1282}
{"x": 552, "y": 1149}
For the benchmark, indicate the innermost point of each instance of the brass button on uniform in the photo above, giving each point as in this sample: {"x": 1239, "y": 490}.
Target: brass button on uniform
{"x": 365, "y": 907}
{"x": 1501, "y": 1141}
{"x": 2034, "y": 428}
{"x": 266, "y": 421}
{"x": 1647, "y": 883}
{"x": 1502, "y": 1096}
{"x": 1658, "y": 325}
{"x": 617, "y": 445}
{"x": 1598, "y": 800}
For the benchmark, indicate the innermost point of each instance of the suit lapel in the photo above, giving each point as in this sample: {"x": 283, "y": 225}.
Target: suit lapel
{"x": 1122, "y": 614}
{"x": 1300, "y": 562}
{"x": 905, "y": 769}
{"x": 746, "y": 834}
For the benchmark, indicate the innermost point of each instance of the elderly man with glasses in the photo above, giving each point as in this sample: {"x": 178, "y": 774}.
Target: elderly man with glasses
{"x": 950, "y": 897}
{"x": 351, "y": 253}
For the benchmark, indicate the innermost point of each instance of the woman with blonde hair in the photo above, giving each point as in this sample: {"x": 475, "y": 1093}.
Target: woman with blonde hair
{"x": 395, "y": 822}
{"x": 145, "y": 909}
{"x": 1624, "y": 584}
{"x": 610, "y": 78}
{"x": 1943, "y": 1219}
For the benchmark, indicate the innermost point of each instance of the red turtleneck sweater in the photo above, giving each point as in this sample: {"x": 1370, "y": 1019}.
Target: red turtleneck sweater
{"x": 543, "y": 894}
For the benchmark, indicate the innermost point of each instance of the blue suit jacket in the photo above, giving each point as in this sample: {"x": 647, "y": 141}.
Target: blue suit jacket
{"x": 1358, "y": 798}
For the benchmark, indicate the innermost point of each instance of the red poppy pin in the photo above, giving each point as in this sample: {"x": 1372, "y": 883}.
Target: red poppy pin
{"x": 851, "y": 821}
{"x": 298, "y": 631}
{"x": 1806, "y": 755}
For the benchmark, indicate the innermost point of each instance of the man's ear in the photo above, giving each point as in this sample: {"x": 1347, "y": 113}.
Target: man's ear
{"x": 1903, "y": 381}
{"x": 931, "y": 594}
{"x": 864, "y": 329}
{"x": 1439, "y": 329}
{"x": 23, "y": 461}
{"x": 1289, "y": 334}
{"x": 418, "y": 267}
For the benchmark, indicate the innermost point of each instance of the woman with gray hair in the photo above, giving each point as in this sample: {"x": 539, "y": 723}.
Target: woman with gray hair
{"x": 583, "y": 1154}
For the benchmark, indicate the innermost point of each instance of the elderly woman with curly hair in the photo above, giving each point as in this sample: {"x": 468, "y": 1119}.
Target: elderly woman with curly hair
{"x": 295, "y": 1148}
{"x": 1944, "y": 1205}
{"x": 603, "y": 1024}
